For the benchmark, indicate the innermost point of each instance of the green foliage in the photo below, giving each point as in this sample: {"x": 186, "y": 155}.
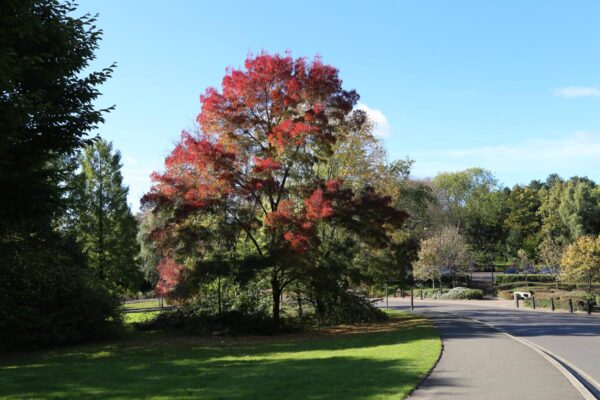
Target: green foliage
{"x": 46, "y": 105}
{"x": 580, "y": 208}
{"x": 522, "y": 222}
{"x": 579, "y": 300}
{"x": 444, "y": 252}
{"x": 462, "y": 293}
{"x": 47, "y": 111}
{"x": 52, "y": 299}
{"x": 148, "y": 256}
{"x": 500, "y": 279}
{"x": 103, "y": 223}
{"x": 581, "y": 261}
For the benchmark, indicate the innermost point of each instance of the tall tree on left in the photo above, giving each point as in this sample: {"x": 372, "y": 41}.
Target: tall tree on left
{"x": 46, "y": 114}
{"x": 105, "y": 226}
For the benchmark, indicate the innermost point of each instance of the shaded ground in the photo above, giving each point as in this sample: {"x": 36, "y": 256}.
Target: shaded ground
{"x": 376, "y": 362}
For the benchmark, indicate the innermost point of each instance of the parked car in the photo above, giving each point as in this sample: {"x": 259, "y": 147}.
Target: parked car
{"x": 510, "y": 270}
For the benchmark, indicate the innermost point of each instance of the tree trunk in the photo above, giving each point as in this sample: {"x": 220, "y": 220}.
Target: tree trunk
{"x": 299, "y": 301}
{"x": 219, "y": 292}
{"x": 275, "y": 288}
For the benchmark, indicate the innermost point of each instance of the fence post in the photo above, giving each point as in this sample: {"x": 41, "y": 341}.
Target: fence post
{"x": 571, "y": 306}
{"x": 516, "y": 300}
{"x": 421, "y": 294}
{"x": 533, "y": 302}
{"x": 552, "y": 303}
{"x": 402, "y": 292}
{"x": 386, "y": 296}
{"x": 412, "y": 299}
{"x": 589, "y": 307}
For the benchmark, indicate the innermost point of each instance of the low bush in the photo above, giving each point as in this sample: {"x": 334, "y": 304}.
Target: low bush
{"x": 48, "y": 298}
{"x": 500, "y": 279}
{"x": 561, "y": 300}
{"x": 462, "y": 293}
{"x": 230, "y": 323}
{"x": 196, "y": 319}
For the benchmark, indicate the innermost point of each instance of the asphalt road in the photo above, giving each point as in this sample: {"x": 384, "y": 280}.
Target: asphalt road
{"x": 478, "y": 362}
{"x": 575, "y": 338}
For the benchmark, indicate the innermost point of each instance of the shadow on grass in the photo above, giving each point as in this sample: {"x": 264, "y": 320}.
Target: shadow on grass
{"x": 351, "y": 366}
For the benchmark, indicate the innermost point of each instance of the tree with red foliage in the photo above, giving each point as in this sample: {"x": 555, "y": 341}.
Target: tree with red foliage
{"x": 258, "y": 170}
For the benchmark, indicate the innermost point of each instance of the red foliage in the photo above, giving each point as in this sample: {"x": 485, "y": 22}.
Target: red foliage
{"x": 262, "y": 102}
{"x": 298, "y": 242}
{"x": 317, "y": 207}
{"x": 265, "y": 164}
{"x": 169, "y": 273}
{"x": 268, "y": 118}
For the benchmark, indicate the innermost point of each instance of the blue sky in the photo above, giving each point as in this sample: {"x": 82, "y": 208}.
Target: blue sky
{"x": 512, "y": 86}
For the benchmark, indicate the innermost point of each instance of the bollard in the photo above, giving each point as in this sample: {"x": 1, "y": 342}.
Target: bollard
{"x": 421, "y": 294}
{"x": 552, "y": 303}
{"x": 386, "y": 297}
{"x": 412, "y": 299}
{"x": 571, "y": 306}
{"x": 516, "y": 301}
{"x": 533, "y": 302}
{"x": 589, "y": 307}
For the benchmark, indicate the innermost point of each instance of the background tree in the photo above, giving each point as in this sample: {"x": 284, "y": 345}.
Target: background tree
{"x": 105, "y": 226}
{"x": 581, "y": 261}
{"x": 455, "y": 189}
{"x": 579, "y": 208}
{"x": 445, "y": 252}
{"x": 523, "y": 222}
{"x": 46, "y": 113}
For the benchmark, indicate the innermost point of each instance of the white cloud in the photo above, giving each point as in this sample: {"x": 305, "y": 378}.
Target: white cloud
{"x": 577, "y": 91}
{"x": 382, "y": 126}
{"x": 575, "y": 154}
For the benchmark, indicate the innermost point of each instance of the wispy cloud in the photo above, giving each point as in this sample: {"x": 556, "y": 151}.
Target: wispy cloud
{"x": 575, "y": 154}
{"x": 577, "y": 91}
{"x": 382, "y": 125}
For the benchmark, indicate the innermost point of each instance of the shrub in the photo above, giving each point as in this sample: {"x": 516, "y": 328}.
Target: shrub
{"x": 510, "y": 278}
{"x": 196, "y": 319}
{"x": 46, "y": 298}
{"x": 561, "y": 300}
{"x": 462, "y": 293}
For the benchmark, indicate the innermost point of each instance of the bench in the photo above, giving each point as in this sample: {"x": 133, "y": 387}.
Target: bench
{"x": 522, "y": 295}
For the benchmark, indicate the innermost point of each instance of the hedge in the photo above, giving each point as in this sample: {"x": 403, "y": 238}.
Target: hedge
{"x": 510, "y": 278}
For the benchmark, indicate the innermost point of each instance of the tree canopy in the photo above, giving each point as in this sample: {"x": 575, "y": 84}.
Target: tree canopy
{"x": 261, "y": 187}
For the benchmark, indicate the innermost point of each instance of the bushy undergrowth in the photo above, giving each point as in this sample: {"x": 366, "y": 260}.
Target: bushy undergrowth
{"x": 462, "y": 293}
{"x": 46, "y": 298}
{"x": 510, "y": 278}
{"x": 457, "y": 293}
{"x": 561, "y": 298}
{"x": 198, "y": 320}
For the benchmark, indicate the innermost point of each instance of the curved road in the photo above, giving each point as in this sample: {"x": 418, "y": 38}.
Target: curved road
{"x": 573, "y": 337}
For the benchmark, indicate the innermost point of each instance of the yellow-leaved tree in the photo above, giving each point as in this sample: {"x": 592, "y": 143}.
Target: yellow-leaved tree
{"x": 581, "y": 261}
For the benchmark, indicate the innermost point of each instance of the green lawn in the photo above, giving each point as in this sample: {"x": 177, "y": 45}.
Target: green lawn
{"x": 143, "y": 304}
{"x": 379, "y": 361}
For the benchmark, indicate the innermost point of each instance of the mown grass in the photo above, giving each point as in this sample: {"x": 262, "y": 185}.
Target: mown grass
{"x": 143, "y": 304}
{"x": 376, "y": 361}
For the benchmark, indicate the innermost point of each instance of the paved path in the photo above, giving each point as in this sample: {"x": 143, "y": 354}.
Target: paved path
{"x": 478, "y": 362}
{"x": 574, "y": 338}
